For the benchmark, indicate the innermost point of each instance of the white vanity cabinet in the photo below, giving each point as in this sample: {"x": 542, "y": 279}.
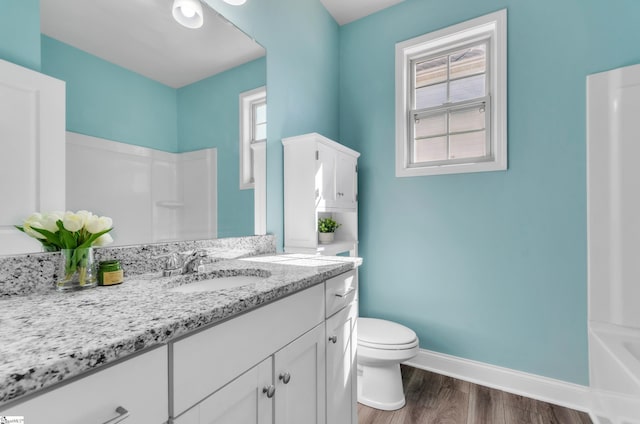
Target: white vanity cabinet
{"x": 220, "y": 363}
{"x": 136, "y": 388}
{"x": 342, "y": 312}
{"x": 320, "y": 180}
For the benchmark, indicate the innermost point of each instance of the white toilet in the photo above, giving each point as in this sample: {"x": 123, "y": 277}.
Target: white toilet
{"x": 382, "y": 346}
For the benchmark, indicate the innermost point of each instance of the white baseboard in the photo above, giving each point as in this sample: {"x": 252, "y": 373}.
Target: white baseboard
{"x": 546, "y": 389}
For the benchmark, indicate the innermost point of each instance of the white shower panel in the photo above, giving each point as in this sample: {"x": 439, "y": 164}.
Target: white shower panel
{"x": 143, "y": 189}
{"x": 613, "y": 140}
{"x": 613, "y": 221}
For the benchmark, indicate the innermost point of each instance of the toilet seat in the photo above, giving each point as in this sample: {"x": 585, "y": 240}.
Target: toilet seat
{"x": 381, "y": 334}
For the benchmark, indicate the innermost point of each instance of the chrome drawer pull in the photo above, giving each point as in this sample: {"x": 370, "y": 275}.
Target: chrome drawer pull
{"x": 123, "y": 414}
{"x": 346, "y": 292}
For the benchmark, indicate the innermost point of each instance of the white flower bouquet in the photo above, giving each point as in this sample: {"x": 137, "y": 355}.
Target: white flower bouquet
{"x": 73, "y": 234}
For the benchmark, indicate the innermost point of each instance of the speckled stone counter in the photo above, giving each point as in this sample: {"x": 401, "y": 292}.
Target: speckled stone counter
{"x": 49, "y": 337}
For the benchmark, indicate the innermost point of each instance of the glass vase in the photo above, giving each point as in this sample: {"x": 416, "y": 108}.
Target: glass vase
{"x": 76, "y": 269}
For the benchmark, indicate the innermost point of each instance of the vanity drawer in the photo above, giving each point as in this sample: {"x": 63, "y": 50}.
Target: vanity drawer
{"x": 206, "y": 361}
{"x": 139, "y": 385}
{"x": 340, "y": 291}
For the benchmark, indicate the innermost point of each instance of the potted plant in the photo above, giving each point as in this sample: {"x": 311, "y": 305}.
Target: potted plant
{"x": 326, "y": 229}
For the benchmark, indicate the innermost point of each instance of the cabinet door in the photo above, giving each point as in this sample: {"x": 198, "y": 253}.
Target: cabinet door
{"x": 346, "y": 181}
{"x": 341, "y": 366}
{"x": 325, "y": 177}
{"x": 246, "y": 400}
{"x": 300, "y": 380}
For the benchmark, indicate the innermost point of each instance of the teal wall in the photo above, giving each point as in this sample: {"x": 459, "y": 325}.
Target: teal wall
{"x": 208, "y": 117}
{"x": 486, "y": 266}
{"x": 301, "y": 40}
{"x": 105, "y": 100}
{"x": 20, "y": 32}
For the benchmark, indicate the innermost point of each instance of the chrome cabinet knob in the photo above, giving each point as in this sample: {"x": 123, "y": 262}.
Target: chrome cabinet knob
{"x": 333, "y": 339}
{"x": 270, "y": 390}
{"x": 285, "y": 377}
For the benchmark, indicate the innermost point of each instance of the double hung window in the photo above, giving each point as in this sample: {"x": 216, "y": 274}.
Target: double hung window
{"x": 451, "y": 99}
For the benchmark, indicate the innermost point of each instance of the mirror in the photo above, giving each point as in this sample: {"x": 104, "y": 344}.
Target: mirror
{"x": 134, "y": 76}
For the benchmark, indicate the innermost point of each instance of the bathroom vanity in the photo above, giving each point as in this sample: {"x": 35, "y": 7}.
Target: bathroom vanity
{"x": 277, "y": 350}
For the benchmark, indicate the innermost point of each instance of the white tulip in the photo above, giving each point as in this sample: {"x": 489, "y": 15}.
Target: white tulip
{"x": 49, "y": 220}
{"x": 33, "y": 221}
{"x": 73, "y": 222}
{"x": 96, "y": 223}
{"x": 103, "y": 240}
{"x": 85, "y": 215}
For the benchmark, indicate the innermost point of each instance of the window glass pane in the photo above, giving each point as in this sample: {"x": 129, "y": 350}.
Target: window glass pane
{"x": 260, "y": 132}
{"x": 430, "y": 149}
{"x": 468, "y": 61}
{"x": 261, "y": 113}
{"x": 433, "y": 95}
{"x": 467, "y": 119}
{"x": 428, "y": 126}
{"x": 429, "y": 72}
{"x": 467, "y": 88}
{"x": 468, "y": 145}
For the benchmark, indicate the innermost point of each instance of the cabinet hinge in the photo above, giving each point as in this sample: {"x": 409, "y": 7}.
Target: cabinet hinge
{"x": 317, "y": 155}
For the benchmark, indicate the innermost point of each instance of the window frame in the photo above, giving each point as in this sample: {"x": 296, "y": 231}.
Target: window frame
{"x": 248, "y": 102}
{"x": 492, "y": 29}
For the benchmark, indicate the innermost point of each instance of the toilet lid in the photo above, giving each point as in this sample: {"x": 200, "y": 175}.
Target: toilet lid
{"x": 382, "y": 332}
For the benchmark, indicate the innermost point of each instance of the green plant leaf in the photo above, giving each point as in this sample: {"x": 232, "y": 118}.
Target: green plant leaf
{"x": 88, "y": 242}
{"x": 51, "y": 238}
{"x": 67, "y": 239}
{"x": 21, "y": 228}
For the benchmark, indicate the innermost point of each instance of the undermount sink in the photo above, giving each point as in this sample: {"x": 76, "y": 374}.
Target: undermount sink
{"x": 222, "y": 282}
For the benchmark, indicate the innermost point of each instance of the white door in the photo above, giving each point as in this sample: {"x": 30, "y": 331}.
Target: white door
{"x": 346, "y": 181}
{"x": 32, "y": 161}
{"x": 300, "y": 380}
{"x": 325, "y": 177}
{"x": 246, "y": 400}
{"x": 341, "y": 366}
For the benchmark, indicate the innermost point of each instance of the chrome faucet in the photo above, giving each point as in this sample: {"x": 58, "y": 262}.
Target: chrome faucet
{"x": 177, "y": 263}
{"x": 195, "y": 261}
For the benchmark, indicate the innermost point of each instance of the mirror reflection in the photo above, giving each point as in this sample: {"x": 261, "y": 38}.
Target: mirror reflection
{"x": 153, "y": 114}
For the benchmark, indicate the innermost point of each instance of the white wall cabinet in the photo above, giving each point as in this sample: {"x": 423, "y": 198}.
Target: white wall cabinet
{"x": 139, "y": 385}
{"x": 320, "y": 179}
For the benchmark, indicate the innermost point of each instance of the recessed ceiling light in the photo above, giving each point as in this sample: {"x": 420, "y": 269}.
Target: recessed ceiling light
{"x": 188, "y": 13}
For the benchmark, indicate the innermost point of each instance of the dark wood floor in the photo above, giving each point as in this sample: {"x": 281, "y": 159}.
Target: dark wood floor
{"x": 437, "y": 399}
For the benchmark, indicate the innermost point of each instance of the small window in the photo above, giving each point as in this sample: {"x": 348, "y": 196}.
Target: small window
{"x": 253, "y": 129}
{"x": 451, "y": 99}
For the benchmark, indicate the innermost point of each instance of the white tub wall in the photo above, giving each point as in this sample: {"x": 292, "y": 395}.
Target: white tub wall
{"x": 613, "y": 149}
{"x": 613, "y": 219}
{"x": 143, "y": 189}
{"x": 199, "y": 193}
{"x": 166, "y": 207}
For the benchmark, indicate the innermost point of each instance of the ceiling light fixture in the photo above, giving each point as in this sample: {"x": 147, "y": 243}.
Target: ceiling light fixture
{"x": 188, "y": 13}
{"x": 235, "y": 2}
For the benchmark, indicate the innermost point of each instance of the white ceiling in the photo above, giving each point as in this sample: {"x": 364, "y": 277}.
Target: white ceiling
{"x": 345, "y": 11}
{"x": 142, "y": 36}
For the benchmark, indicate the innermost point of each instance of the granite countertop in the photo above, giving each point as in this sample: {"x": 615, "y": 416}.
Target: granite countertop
{"x": 46, "y": 338}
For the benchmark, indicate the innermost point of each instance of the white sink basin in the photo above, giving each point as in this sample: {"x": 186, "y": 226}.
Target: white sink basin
{"x": 218, "y": 283}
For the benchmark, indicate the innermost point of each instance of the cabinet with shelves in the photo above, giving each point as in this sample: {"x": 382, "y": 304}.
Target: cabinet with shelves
{"x": 320, "y": 180}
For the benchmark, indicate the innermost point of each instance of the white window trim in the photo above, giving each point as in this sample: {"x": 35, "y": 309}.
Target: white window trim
{"x": 492, "y": 27}
{"x": 247, "y": 99}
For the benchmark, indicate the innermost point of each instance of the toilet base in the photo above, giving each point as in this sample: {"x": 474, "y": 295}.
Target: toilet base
{"x": 380, "y": 387}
